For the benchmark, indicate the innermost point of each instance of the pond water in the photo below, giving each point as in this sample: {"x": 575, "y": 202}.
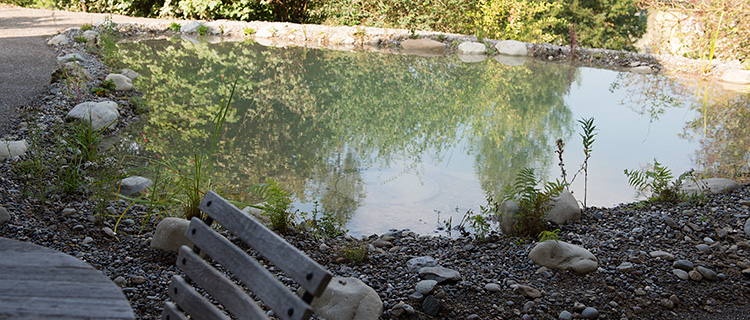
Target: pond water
{"x": 395, "y": 141}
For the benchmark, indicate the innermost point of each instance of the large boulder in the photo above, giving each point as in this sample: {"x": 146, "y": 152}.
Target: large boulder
{"x": 98, "y": 114}
{"x": 170, "y": 235}
{"x": 58, "y": 40}
{"x": 564, "y": 256}
{"x": 418, "y": 46}
{"x": 471, "y": 47}
{"x": 191, "y": 27}
{"x": 134, "y": 185}
{"x": 129, "y": 73}
{"x": 736, "y": 76}
{"x": 4, "y": 215}
{"x": 90, "y": 35}
{"x": 709, "y": 186}
{"x": 10, "y": 149}
{"x": 348, "y": 299}
{"x": 512, "y": 48}
{"x": 508, "y": 216}
{"x": 564, "y": 208}
{"x": 122, "y": 82}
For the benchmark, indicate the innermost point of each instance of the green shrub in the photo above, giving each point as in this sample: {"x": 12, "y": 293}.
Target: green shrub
{"x": 174, "y": 26}
{"x": 80, "y": 39}
{"x": 276, "y": 204}
{"x": 248, "y": 31}
{"x": 86, "y": 27}
{"x": 356, "y": 252}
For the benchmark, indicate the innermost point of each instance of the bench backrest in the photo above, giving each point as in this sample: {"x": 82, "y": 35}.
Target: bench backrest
{"x": 275, "y": 295}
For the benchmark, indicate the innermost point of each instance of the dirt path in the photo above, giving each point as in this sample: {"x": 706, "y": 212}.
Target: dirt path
{"x": 26, "y": 62}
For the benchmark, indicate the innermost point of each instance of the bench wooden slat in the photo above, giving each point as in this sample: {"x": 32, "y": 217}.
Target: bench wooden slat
{"x": 232, "y": 297}
{"x": 193, "y": 302}
{"x": 171, "y": 312}
{"x": 308, "y": 273}
{"x": 273, "y": 293}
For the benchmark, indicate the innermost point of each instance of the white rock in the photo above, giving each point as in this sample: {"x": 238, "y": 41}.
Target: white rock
{"x": 170, "y": 235}
{"x": 258, "y": 214}
{"x": 512, "y": 48}
{"x": 101, "y": 114}
{"x": 10, "y": 149}
{"x": 122, "y": 82}
{"x": 58, "y": 40}
{"x": 348, "y": 299}
{"x": 470, "y": 47}
{"x": 736, "y": 76}
{"x": 191, "y": 27}
{"x": 565, "y": 256}
{"x": 90, "y": 35}
{"x": 508, "y": 216}
{"x": 564, "y": 208}
{"x": 4, "y": 215}
{"x": 129, "y": 73}
{"x": 709, "y": 186}
{"x": 423, "y": 45}
{"x": 70, "y": 57}
{"x": 134, "y": 185}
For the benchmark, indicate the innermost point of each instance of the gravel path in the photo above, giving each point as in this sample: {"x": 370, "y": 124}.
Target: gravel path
{"x": 632, "y": 282}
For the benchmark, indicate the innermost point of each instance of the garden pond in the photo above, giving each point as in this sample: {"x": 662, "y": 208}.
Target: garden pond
{"x": 387, "y": 141}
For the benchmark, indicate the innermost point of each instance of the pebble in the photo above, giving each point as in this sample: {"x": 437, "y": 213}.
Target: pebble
{"x": 527, "y": 291}
{"x": 662, "y": 254}
{"x": 440, "y": 274}
{"x": 683, "y": 265}
{"x": 625, "y": 267}
{"x": 431, "y": 306}
{"x": 492, "y": 287}
{"x": 565, "y": 315}
{"x": 120, "y": 281}
{"x": 590, "y": 313}
{"x": 695, "y": 275}
{"x": 108, "y": 231}
{"x": 703, "y": 248}
{"x": 425, "y": 287}
{"x": 707, "y": 273}
{"x": 87, "y": 240}
{"x": 682, "y": 274}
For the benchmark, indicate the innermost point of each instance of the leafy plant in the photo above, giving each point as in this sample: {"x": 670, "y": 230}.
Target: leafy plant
{"x": 480, "y": 226}
{"x": 276, "y": 204}
{"x": 656, "y": 181}
{"x": 325, "y": 226}
{"x": 549, "y": 235}
{"x": 533, "y": 202}
{"x": 587, "y": 137}
{"x": 86, "y": 27}
{"x": 80, "y": 39}
{"x": 87, "y": 139}
{"x": 248, "y": 31}
{"x": 356, "y": 252}
{"x": 174, "y": 26}
{"x": 202, "y": 30}
{"x": 107, "y": 87}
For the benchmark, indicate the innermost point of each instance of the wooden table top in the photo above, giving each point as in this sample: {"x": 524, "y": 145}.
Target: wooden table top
{"x": 41, "y": 283}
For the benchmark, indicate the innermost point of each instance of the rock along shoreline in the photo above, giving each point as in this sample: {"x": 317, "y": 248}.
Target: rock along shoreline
{"x": 643, "y": 252}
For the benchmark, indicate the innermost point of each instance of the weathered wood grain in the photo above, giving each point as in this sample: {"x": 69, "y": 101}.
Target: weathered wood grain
{"x": 41, "y": 283}
{"x": 171, "y": 312}
{"x": 231, "y": 296}
{"x": 305, "y": 271}
{"x": 193, "y": 302}
{"x": 274, "y": 294}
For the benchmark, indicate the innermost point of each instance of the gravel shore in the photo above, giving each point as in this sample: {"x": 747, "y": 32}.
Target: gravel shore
{"x": 636, "y": 245}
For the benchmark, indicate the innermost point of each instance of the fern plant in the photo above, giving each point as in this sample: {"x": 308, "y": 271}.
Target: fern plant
{"x": 656, "y": 181}
{"x": 276, "y": 204}
{"x": 533, "y": 202}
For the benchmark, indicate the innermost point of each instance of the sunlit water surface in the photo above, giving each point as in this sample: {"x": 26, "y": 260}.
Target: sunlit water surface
{"x": 394, "y": 141}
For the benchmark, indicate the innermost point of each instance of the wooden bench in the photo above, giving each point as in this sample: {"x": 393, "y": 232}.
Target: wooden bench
{"x": 275, "y": 295}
